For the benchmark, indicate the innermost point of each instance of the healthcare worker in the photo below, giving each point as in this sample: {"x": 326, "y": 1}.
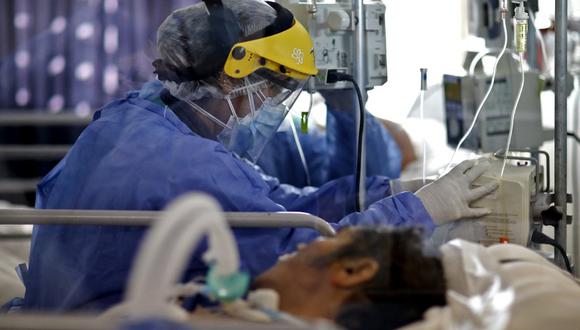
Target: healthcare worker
{"x": 229, "y": 72}
{"x": 330, "y": 153}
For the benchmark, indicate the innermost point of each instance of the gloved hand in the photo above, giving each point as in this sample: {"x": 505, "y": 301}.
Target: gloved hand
{"x": 448, "y": 198}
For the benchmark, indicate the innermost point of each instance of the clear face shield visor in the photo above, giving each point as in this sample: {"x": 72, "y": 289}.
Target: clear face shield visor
{"x": 266, "y": 100}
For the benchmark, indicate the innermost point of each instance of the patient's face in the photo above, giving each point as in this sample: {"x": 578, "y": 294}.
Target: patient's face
{"x": 359, "y": 265}
{"x": 307, "y": 266}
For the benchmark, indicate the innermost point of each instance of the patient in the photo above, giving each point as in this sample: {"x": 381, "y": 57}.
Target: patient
{"x": 363, "y": 278}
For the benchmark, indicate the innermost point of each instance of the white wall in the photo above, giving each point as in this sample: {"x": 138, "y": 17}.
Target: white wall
{"x": 420, "y": 33}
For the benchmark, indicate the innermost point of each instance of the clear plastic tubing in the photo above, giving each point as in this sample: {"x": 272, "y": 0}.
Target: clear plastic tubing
{"x": 521, "y": 18}
{"x": 478, "y": 112}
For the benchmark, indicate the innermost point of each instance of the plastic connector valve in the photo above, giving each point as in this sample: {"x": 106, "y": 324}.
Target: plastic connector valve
{"x": 227, "y": 287}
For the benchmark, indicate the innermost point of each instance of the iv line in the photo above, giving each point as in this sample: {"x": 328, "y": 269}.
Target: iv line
{"x": 480, "y": 108}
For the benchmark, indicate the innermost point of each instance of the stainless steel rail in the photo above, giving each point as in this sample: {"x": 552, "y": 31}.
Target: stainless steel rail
{"x": 12, "y": 186}
{"x": 22, "y": 118}
{"x": 146, "y": 218}
{"x": 35, "y": 151}
{"x": 28, "y": 321}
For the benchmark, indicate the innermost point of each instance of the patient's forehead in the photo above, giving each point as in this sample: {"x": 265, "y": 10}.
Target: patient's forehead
{"x": 350, "y": 233}
{"x": 344, "y": 236}
{"x": 346, "y": 231}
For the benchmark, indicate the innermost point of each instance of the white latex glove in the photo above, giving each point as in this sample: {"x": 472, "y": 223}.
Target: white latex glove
{"x": 399, "y": 186}
{"x": 448, "y": 198}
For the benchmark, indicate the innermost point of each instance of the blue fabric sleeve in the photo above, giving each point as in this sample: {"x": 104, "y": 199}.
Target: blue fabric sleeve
{"x": 334, "y": 202}
{"x": 400, "y": 210}
{"x": 383, "y": 154}
{"x": 331, "y": 201}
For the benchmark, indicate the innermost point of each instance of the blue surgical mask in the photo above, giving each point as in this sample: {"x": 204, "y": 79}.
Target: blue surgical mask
{"x": 248, "y": 136}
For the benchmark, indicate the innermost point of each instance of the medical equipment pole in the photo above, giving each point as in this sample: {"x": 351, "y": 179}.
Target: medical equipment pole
{"x": 561, "y": 125}
{"x": 360, "y": 71}
{"x": 576, "y": 179}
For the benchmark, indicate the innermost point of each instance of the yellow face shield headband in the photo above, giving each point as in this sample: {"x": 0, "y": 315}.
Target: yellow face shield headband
{"x": 290, "y": 53}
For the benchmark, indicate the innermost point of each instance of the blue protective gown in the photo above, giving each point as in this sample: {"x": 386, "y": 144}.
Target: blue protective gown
{"x": 331, "y": 154}
{"x": 137, "y": 155}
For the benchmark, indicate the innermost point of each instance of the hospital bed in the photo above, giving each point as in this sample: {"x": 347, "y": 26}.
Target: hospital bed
{"x": 533, "y": 310}
{"x": 486, "y": 286}
{"x": 190, "y": 226}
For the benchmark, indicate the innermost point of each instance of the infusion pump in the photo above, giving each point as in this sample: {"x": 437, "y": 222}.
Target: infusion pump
{"x": 331, "y": 24}
{"x": 512, "y": 205}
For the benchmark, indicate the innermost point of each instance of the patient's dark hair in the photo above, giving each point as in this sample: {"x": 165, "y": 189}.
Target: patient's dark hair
{"x": 407, "y": 283}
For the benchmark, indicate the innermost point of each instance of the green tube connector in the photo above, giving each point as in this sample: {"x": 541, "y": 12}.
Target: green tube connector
{"x": 229, "y": 287}
{"x": 304, "y": 122}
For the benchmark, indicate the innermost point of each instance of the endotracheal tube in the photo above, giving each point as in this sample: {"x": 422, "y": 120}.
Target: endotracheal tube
{"x": 423, "y": 89}
{"x": 504, "y": 12}
{"x": 521, "y": 30}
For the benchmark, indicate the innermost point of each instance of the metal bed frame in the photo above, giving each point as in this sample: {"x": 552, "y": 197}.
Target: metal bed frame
{"x": 146, "y": 218}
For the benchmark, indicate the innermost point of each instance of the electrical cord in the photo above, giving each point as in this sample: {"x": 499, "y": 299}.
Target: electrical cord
{"x": 541, "y": 238}
{"x": 574, "y": 136}
{"x": 333, "y": 77}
